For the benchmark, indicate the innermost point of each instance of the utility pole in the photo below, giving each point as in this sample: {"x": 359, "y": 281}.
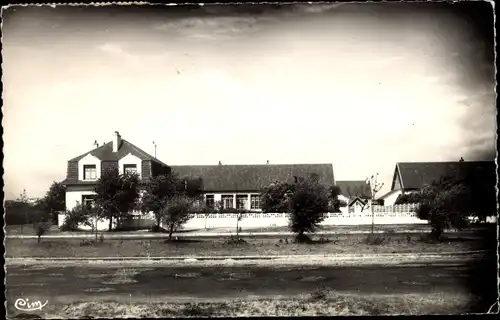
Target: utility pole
{"x": 375, "y": 187}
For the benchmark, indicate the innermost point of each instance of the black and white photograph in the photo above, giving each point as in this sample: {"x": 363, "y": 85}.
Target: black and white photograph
{"x": 289, "y": 159}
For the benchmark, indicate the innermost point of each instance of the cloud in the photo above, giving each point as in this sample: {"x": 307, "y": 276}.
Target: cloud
{"x": 316, "y": 8}
{"x": 117, "y": 51}
{"x": 209, "y": 27}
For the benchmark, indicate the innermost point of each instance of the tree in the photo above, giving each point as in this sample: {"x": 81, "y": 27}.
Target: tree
{"x": 444, "y": 204}
{"x": 334, "y": 193}
{"x": 42, "y": 221}
{"x": 54, "y": 200}
{"x": 41, "y": 228}
{"x": 25, "y": 207}
{"x": 159, "y": 190}
{"x": 116, "y": 194}
{"x": 17, "y": 212}
{"x": 375, "y": 187}
{"x": 79, "y": 215}
{"x": 413, "y": 197}
{"x": 274, "y": 198}
{"x": 307, "y": 203}
{"x": 190, "y": 186}
{"x": 176, "y": 213}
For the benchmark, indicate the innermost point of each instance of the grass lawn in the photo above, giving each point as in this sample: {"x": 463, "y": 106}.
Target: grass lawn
{"x": 319, "y": 303}
{"x": 385, "y": 228}
{"x": 28, "y": 229}
{"x": 262, "y": 246}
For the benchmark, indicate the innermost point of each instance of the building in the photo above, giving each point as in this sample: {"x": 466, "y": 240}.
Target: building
{"x": 84, "y": 170}
{"x": 239, "y": 186}
{"x": 357, "y": 194}
{"x": 412, "y": 176}
{"x": 236, "y": 186}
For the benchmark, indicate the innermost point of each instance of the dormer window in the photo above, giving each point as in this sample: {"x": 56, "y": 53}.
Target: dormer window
{"x": 89, "y": 172}
{"x": 130, "y": 169}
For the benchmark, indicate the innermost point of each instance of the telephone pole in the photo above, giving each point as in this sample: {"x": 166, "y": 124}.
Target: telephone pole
{"x": 375, "y": 187}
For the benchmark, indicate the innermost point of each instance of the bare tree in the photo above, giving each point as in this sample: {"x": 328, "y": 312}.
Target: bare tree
{"x": 375, "y": 187}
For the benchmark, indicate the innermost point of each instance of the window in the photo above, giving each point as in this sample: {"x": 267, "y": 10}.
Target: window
{"x": 88, "y": 200}
{"x": 227, "y": 202}
{"x": 89, "y": 172}
{"x": 129, "y": 168}
{"x": 255, "y": 202}
{"x": 210, "y": 201}
{"x": 241, "y": 201}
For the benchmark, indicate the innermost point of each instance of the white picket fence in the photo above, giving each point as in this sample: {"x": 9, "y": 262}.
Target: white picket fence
{"x": 264, "y": 220}
{"x": 397, "y": 214}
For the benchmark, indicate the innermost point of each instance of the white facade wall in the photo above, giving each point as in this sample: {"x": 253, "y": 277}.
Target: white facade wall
{"x": 74, "y": 196}
{"x": 390, "y": 199}
{"x": 89, "y": 160}
{"x": 264, "y": 220}
{"x": 218, "y": 197}
{"x": 130, "y": 159}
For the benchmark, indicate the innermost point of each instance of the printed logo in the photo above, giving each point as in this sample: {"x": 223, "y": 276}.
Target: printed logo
{"x": 26, "y": 305}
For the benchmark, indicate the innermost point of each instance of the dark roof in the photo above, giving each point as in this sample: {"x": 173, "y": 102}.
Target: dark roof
{"x": 105, "y": 152}
{"x": 228, "y": 178}
{"x": 386, "y": 194}
{"x": 354, "y": 188}
{"x": 415, "y": 175}
{"x": 356, "y": 199}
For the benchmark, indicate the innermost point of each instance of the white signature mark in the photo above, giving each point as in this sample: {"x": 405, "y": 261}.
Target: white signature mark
{"x": 26, "y": 305}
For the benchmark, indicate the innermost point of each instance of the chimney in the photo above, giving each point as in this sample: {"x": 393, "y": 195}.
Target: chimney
{"x": 117, "y": 139}
{"x": 267, "y": 161}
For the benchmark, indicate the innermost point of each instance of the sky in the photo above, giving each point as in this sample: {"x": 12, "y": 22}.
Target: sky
{"x": 361, "y": 86}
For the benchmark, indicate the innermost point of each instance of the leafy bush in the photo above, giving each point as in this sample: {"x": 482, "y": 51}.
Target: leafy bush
{"x": 235, "y": 241}
{"x": 414, "y": 197}
{"x": 19, "y": 213}
{"x": 176, "y": 213}
{"x": 75, "y": 217}
{"x": 308, "y": 204}
{"x": 156, "y": 228}
{"x": 445, "y": 204}
{"x": 275, "y": 197}
{"x": 86, "y": 242}
{"x": 41, "y": 228}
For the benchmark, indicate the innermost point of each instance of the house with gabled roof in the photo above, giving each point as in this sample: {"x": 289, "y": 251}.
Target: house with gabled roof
{"x": 356, "y": 194}
{"x": 84, "y": 170}
{"x": 235, "y": 186}
{"x": 239, "y": 186}
{"x": 412, "y": 176}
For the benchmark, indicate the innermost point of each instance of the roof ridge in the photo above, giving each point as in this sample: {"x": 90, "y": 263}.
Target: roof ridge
{"x": 88, "y": 152}
{"x": 144, "y": 153}
{"x": 418, "y": 162}
{"x": 256, "y": 164}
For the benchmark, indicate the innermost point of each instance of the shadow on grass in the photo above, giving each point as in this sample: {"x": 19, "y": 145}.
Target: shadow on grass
{"x": 306, "y": 239}
{"x": 182, "y": 241}
{"x": 483, "y": 275}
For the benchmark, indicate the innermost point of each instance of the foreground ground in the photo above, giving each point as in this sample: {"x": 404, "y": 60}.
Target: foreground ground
{"x": 120, "y": 291}
{"x": 28, "y": 229}
{"x": 258, "y": 246}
